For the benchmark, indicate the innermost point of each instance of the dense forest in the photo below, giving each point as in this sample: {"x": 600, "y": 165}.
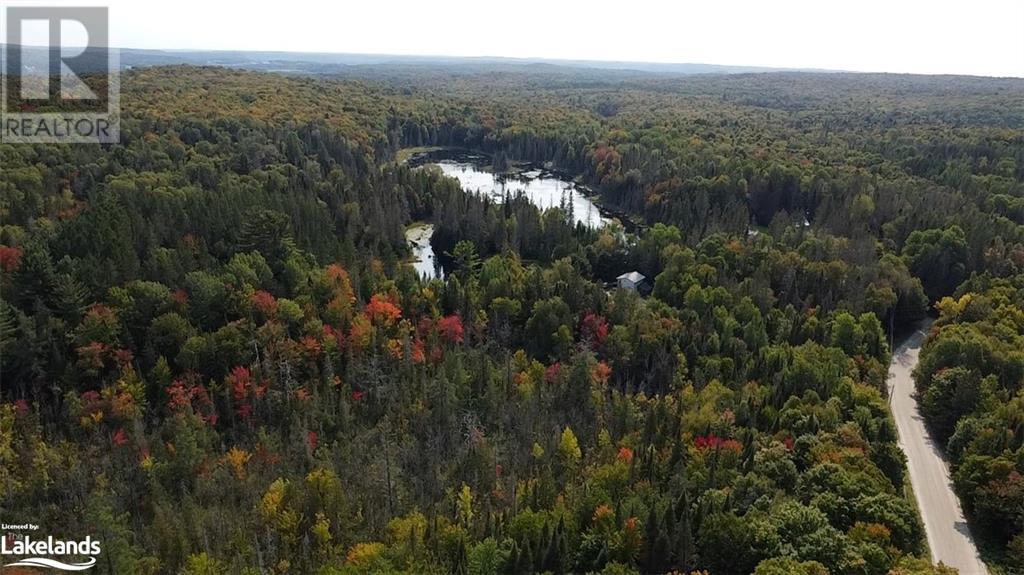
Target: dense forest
{"x": 969, "y": 380}
{"x": 215, "y": 358}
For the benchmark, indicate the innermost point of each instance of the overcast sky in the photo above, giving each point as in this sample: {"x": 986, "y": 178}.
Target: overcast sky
{"x": 984, "y": 37}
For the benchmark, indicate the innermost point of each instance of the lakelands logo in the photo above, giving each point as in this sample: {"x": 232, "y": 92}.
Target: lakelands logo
{"x": 61, "y": 82}
{"x": 50, "y": 553}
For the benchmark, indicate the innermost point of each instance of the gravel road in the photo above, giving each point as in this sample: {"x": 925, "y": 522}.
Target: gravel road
{"x": 948, "y": 536}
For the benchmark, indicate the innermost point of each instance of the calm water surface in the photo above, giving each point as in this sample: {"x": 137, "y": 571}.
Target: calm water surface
{"x": 544, "y": 189}
{"x": 424, "y": 260}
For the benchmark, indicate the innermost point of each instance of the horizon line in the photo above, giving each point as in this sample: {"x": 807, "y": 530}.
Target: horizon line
{"x": 753, "y": 68}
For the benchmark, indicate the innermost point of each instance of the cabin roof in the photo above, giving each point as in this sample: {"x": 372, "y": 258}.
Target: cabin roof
{"x": 635, "y": 277}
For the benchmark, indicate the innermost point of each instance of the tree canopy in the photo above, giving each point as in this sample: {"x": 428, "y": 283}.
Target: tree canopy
{"x": 217, "y": 360}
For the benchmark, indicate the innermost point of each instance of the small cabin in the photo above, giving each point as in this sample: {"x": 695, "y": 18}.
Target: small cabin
{"x": 632, "y": 281}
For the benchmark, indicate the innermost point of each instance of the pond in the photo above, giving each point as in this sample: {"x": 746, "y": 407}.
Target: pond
{"x": 543, "y": 188}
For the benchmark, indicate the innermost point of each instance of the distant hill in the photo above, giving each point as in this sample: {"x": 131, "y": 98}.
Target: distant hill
{"x": 328, "y": 63}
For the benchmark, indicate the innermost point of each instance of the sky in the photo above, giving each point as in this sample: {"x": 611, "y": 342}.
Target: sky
{"x": 979, "y": 37}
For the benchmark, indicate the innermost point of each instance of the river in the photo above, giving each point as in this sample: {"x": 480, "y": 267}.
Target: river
{"x": 424, "y": 260}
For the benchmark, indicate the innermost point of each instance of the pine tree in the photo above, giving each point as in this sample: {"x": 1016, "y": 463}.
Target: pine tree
{"x": 69, "y": 298}
{"x": 686, "y": 549}
{"x": 36, "y": 278}
{"x": 525, "y": 562}
{"x": 512, "y": 566}
{"x": 651, "y": 533}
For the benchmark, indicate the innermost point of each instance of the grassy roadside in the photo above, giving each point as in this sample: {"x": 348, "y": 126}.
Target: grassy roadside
{"x": 908, "y": 493}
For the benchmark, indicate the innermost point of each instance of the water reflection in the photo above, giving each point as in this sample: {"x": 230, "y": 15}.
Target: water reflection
{"x": 543, "y": 189}
{"x": 424, "y": 260}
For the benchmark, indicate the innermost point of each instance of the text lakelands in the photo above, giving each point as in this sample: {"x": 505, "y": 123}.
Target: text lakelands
{"x": 49, "y": 546}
